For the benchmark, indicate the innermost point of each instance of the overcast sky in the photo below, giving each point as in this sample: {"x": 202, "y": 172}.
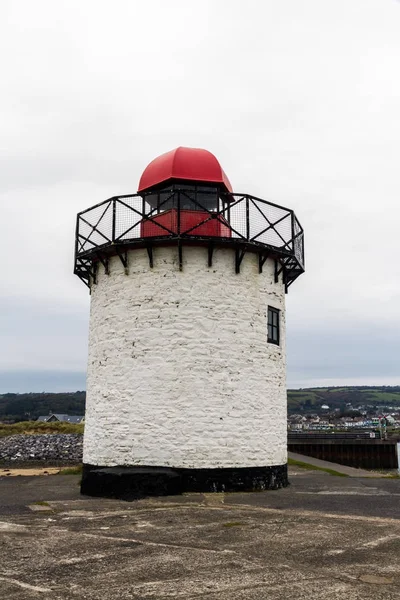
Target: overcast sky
{"x": 300, "y": 102}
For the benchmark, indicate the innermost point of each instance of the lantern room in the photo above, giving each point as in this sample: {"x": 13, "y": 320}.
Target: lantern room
{"x": 201, "y": 181}
{"x": 185, "y": 199}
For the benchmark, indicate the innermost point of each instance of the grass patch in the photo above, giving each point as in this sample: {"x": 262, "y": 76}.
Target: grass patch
{"x": 233, "y": 524}
{"x": 71, "y": 470}
{"x": 308, "y": 467}
{"x": 38, "y": 427}
{"x": 41, "y": 503}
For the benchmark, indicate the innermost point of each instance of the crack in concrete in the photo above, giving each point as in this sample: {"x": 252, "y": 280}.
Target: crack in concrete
{"x": 157, "y": 544}
{"x": 309, "y": 513}
{"x": 27, "y": 586}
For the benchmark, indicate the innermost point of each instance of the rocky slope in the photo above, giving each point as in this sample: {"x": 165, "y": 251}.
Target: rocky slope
{"x": 57, "y": 449}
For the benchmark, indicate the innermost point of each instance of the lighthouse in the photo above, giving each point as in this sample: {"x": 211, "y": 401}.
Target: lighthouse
{"x": 186, "y": 379}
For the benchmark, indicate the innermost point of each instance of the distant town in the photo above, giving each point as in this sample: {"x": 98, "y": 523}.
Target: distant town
{"x": 344, "y": 408}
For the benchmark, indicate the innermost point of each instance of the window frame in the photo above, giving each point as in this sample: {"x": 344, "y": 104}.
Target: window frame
{"x": 273, "y": 325}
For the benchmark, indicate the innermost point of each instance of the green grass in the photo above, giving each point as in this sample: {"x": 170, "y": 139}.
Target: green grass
{"x": 381, "y": 397}
{"x": 308, "y": 467}
{"x": 71, "y": 470}
{"x": 41, "y": 503}
{"x": 233, "y": 524}
{"x": 37, "y": 427}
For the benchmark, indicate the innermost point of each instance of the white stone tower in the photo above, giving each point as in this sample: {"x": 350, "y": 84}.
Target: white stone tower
{"x": 186, "y": 373}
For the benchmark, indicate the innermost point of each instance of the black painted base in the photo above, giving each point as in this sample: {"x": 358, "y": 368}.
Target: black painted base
{"x": 130, "y": 483}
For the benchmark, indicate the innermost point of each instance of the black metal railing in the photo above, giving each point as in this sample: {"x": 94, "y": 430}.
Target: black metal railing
{"x": 241, "y": 221}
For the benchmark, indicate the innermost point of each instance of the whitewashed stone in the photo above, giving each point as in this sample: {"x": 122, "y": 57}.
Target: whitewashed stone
{"x": 180, "y": 373}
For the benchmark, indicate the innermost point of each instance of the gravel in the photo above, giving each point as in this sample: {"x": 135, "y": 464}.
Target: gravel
{"x": 49, "y": 448}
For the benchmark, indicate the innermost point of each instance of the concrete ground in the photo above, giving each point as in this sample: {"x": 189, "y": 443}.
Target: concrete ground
{"x": 324, "y": 537}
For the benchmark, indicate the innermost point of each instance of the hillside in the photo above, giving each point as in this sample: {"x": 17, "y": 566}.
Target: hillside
{"x": 22, "y": 407}
{"x": 337, "y": 397}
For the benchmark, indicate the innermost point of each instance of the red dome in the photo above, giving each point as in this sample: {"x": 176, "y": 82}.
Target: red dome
{"x": 192, "y": 164}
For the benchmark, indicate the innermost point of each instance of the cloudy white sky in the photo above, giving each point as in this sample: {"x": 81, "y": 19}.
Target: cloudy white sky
{"x": 299, "y": 100}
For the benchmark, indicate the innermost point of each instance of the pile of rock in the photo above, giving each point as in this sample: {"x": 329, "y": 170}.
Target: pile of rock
{"x": 49, "y": 448}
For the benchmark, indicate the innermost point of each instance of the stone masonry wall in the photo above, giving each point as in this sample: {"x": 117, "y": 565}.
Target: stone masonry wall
{"x": 180, "y": 373}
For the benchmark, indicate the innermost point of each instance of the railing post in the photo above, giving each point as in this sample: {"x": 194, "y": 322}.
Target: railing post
{"x": 247, "y": 219}
{"x": 142, "y": 220}
{"x": 114, "y": 210}
{"x": 178, "y": 224}
{"x": 76, "y": 238}
{"x": 292, "y": 229}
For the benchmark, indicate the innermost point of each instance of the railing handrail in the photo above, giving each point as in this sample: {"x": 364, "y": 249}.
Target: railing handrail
{"x": 96, "y": 233}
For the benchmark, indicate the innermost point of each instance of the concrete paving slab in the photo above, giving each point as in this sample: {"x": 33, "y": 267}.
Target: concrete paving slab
{"x": 324, "y": 537}
{"x": 40, "y": 508}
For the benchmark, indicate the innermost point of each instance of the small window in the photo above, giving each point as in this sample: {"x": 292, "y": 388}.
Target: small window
{"x": 273, "y": 325}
